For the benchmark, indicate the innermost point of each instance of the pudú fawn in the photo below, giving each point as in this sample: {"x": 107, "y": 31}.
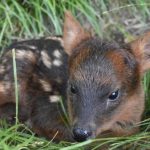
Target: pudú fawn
{"x": 98, "y": 81}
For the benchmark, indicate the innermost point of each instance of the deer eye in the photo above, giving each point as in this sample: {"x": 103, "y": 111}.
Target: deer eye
{"x": 114, "y": 95}
{"x": 73, "y": 89}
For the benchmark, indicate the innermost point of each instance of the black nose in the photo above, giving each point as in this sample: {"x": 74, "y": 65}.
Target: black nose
{"x": 81, "y": 135}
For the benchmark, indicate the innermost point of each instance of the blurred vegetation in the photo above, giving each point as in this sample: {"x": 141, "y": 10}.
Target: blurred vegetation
{"x": 34, "y": 18}
{"x": 112, "y": 19}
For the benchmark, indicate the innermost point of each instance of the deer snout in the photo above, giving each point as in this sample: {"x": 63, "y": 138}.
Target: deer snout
{"x": 81, "y": 135}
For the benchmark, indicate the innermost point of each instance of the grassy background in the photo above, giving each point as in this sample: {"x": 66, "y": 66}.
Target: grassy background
{"x": 112, "y": 19}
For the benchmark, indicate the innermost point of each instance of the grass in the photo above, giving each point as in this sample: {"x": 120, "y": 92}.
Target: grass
{"x": 108, "y": 19}
{"x": 16, "y": 84}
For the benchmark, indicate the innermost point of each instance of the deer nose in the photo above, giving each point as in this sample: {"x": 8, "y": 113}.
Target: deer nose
{"x": 81, "y": 135}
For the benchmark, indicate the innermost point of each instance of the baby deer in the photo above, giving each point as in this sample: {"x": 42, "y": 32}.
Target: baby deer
{"x": 100, "y": 83}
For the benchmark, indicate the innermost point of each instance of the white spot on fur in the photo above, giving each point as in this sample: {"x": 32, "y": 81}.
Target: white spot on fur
{"x": 57, "y": 62}
{"x": 54, "y": 98}
{"x": 46, "y": 59}
{"x": 32, "y": 47}
{"x": 23, "y": 54}
{"x": 2, "y": 88}
{"x": 2, "y": 69}
{"x": 7, "y": 85}
{"x": 57, "y": 39}
{"x": 45, "y": 85}
{"x": 57, "y": 53}
{"x": 53, "y": 38}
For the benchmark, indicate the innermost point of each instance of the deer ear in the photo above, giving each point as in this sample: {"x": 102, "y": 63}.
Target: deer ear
{"x": 73, "y": 33}
{"x": 141, "y": 49}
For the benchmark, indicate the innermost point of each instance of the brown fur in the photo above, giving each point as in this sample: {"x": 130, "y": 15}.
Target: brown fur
{"x": 119, "y": 65}
{"x": 141, "y": 49}
{"x": 124, "y": 118}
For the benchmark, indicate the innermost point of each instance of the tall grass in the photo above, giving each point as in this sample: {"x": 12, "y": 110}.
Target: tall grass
{"x": 16, "y": 83}
{"x": 106, "y": 18}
